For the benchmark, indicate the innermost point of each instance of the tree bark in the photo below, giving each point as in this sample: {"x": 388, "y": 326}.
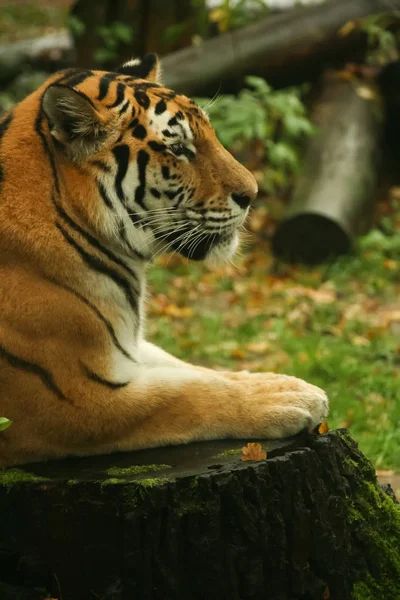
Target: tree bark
{"x": 157, "y": 26}
{"x": 334, "y": 197}
{"x": 310, "y": 522}
{"x": 286, "y": 48}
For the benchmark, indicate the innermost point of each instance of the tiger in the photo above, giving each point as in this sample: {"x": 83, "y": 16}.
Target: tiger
{"x": 100, "y": 173}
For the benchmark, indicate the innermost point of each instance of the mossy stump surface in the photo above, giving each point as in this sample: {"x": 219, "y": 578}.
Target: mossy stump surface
{"x": 196, "y": 522}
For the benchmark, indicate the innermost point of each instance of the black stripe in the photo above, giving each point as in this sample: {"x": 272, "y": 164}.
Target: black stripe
{"x": 173, "y": 193}
{"x": 46, "y": 146}
{"x": 220, "y": 219}
{"x": 142, "y": 161}
{"x": 161, "y": 107}
{"x": 4, "y": 125}
{"x": 94, "y": 377}
{"x": 156, "y": 146}
{"x": 124, "y": 107}
{"x": 29, "y": 367}
{"x": 96, "y": 311}
{"x": 134, "y": 122}
{"x": 104, "y": 85}
{"x": 101, "y": 165}
{"x": 121, "y": 154}
{"x": 154, "y": 192}
{"x": 139, "y": 132}
{"x": 93, "y": 241}
{"x": 165, "y": 172}
{"x": 120, "y": 95}
{"x": 105, "y": 197}
{"x": 179, "y": 201}
{"x": 98, "y": 265}
{"x": 168, "y": 133}
{"x": 173, "y": 121}
{"x": 134, "y": 218}
{"x": 142, "y": 98}
{"x": 77, "y": 79}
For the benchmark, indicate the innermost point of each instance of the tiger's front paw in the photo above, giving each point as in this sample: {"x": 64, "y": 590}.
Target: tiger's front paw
{"x": 279, "y": 406}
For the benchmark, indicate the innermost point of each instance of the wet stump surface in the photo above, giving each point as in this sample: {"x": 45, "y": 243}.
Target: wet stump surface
{"x": 195, "y": 522}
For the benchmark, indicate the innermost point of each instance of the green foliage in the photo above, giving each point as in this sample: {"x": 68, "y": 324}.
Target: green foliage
{"x": 76, "y": 26}
{"x": 277, "y": 119}
{"x": 230, "y": 15}
{"x": 112, "y": 37}
{"x": 25, "y": 84}
{"x": 4, "y": 423}
{"x": 382, "y": 41}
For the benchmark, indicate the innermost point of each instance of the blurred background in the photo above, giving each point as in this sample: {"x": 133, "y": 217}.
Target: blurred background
{"x": 307, "y": 96}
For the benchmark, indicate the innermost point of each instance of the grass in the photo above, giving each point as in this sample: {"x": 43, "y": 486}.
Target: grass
{"x": 337, "y": 326}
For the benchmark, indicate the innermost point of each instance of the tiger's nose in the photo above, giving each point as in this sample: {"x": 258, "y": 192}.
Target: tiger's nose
{"x": 244, "y": 199}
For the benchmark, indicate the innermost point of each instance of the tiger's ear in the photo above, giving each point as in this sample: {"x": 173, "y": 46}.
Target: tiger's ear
{"x": 147, "y": 68}
{"x": 73, "y": 119}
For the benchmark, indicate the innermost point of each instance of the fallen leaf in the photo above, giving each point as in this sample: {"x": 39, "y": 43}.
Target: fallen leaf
{"x": 258, "y": 347}
{"x": 366, "y": 93}
{"x": 177, "y": 312}
{"x": 327, "y": 594}
{"x": 238, "y": 353}
{"x": 253, "y": 451}
{"x": 323, "y": 428}
{"x": 347, "y": 28}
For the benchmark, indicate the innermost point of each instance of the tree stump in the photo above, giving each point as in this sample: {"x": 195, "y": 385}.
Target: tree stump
{"x": 196, "y": 522}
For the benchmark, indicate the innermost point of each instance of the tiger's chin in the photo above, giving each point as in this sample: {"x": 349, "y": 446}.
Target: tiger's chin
{"x": 211, "y": 248}
{"x": 222, "y": 252}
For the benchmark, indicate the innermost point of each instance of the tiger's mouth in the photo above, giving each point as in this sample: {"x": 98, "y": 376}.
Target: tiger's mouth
{"x": 196, "y": 244}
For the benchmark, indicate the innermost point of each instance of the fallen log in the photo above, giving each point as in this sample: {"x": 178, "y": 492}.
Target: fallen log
{"x": 308, "y": 523}
{"x": 47, "y": 53}
{"x": 286, "y": 48}
{"x": 333, "y": 200}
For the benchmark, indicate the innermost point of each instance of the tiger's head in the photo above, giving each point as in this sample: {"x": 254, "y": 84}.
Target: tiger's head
{"x": 159, "y": 177}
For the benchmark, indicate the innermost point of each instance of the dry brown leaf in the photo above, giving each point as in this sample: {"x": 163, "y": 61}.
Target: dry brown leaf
{"x": 237, "y": 353}
{"x": 366, "y": 93}
{"x": 258, "y": 347}
{"x": 327, "y": 594}
{"x": 347, "y": 28}
{"x": 253, "y": 451}
{"x": 323, "y": 428}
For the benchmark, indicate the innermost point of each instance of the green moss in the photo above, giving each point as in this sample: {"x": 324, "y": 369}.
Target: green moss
{"x": 368, "y": 590}
{"x": 227, "y": 453}
{"x": 135, "y": 470}
{"x": 10, "y": 477}
{"x": 112, "y": 481}
{"x": 72, "y": 481}
{"x": 153, "y": 482}
{"x": 375, "y": 522}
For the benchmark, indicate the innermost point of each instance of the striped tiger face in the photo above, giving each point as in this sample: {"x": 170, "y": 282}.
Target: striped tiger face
{"x": 162, "y": 179}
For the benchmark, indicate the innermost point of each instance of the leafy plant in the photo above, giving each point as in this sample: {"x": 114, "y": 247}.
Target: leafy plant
{"x": 4, "y": 423}
{"x": 230, "y": 14}
{"x": 76, "y": 26}
{"x": 275, "y": 119}
{"x": 382, "y": 41}
{"x": 112, "y": 36}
